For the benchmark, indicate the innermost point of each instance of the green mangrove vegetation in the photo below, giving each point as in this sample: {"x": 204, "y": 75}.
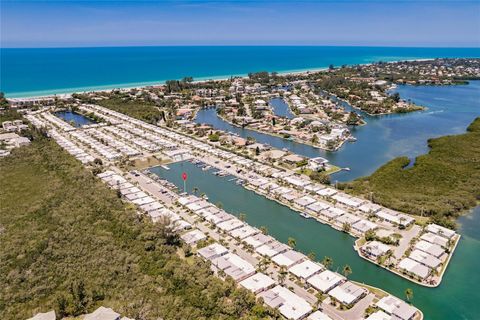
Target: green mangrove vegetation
{"x": 440, "y": 184}
{"x": 70, "y": 244}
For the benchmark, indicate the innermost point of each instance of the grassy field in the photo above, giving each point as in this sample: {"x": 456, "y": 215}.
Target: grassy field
{"x": 69, "y": 243}
{"x": 440, "y": 184}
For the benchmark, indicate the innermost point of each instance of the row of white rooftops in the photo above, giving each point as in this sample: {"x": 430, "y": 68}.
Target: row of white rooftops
{"x": 428, "y": 253}
{"x": 313, "y": 273}
{"x": 71, "y": 147}
{"x": 142, "y": 200}
{"x": 263, "y": 244}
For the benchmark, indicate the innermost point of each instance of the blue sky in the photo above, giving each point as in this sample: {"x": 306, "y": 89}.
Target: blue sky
{"x": 118, "y": 23}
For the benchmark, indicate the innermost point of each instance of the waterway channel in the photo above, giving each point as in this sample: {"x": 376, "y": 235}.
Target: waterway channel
{"x": 450, "y": 110}
{"x": 455, "y": 298}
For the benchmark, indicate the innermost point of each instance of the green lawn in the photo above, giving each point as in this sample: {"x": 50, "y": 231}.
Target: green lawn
{"x": 68, "y": 242}
{"x": 441, "y": 183}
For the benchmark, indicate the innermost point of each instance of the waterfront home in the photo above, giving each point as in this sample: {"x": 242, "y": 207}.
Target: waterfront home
{"x": 326, "y": 192}
{"x": 233, "y": 266}
{"x": 318, "y": 206}
{"x": 193, "y": 236}
{"x": 332, "y": 213}
{"x": 413, "y": 267}
{"x": 257, "y": 283}
{"x": 281, "y": 191}
{"x": 318, "y": 315}
{"x": 397, "y": 308}
{"x": 305, "y": 269}
{"x": 347, "y": 218}
{"x": 363, "y": 226}
{"x": 258, "y": 240}
{"x": 230, "y": 225}
{"x": 435, "y": 239}
{"x": 317, "y": 164}
{"x": 44, "y": 316}
{"x": 441, "y": 231}
{"x": 218, "y": 218}
{"x": 374, "y": 249}
{"x": 244, "y": 232}
{"x": 290, "y": 305}
{"x": 304, "y": 201}
{"x": 272, "y": 249}
{"x": 348, "y": 293}
{"x": 379, "y": 315}
{"x": 430, "y": 248}
{"x": 425, "y": 258}
{"x": 290, "y": 196}
{"x": 213, "y": 251}
{"x": 325, "y": 281}
{"x": 288, "y": 258}
{"x": 103, "y": 313}
{"x": 348, "y": 201}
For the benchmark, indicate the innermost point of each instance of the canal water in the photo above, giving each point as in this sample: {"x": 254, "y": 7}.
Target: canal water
{"x": 281, "y": 108}
{"x": 450, "y": 110}
{"x": 74, "y": 118}
{"x": 455, "y": 298}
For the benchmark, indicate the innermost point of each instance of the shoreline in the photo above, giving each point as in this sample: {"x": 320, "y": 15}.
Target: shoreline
{"x": 143, "y": 84}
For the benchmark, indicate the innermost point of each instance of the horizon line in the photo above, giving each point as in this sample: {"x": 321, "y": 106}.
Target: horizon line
{"x": 242, "y": 45}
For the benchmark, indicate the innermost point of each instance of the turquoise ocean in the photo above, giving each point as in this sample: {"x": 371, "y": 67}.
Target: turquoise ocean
{"x": 43, "y": 71}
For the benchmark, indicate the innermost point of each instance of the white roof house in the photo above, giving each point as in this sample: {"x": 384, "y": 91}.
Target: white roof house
{"x": 230, "y": 224}
{"x": 234, "y": 266}
{"x": 327, "y": 192}
{"x": 436, "y": 239}
{"x": 425, "y": 258}
{"x": 213, "y": 251}
{"x": 348, "y": 218}
{"x": 304, "y": 201}
{"x": 348, "y": 293}
{"x": 258, "y": 240}
{"x": 193, "y": 236}
{"x": 271, "y": 249}
{"x": 379, "y": 315}
{"x": 430, "y": 248}
{"x": 305, "y": 269}
{"x": 396, "y": 307}
{"x": 288, "y": 258}
{"x": 441, "y": 231}
{"x": 102, "y": 313}
{"x": 414, "y": 267}
{"x": 244, "y": 232}
{"x": 374, "y": 249}
{"x": 363, "y": 226}
{"x": 318, "y": 206}
{"x": 257, "y": 283}
{"x": 318, "y": 315}
{"x": 325, "y": 281}
{"x": 288, "y": 303}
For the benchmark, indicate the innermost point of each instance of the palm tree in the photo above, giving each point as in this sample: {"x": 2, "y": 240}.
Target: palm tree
{"x": 242, "y": 217}
{"x": 264, "y": 230}
{"x": 292, "y": 242}
{"x": 327, "y": 262}
{"x": 409, "y": 294}
{"x": 388, "y": 256}
{"x": 282, "y": 275}
{"x": 195, "y": 190}
{"x": 347, "y": 270}
{"x": 312, "y": 256}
